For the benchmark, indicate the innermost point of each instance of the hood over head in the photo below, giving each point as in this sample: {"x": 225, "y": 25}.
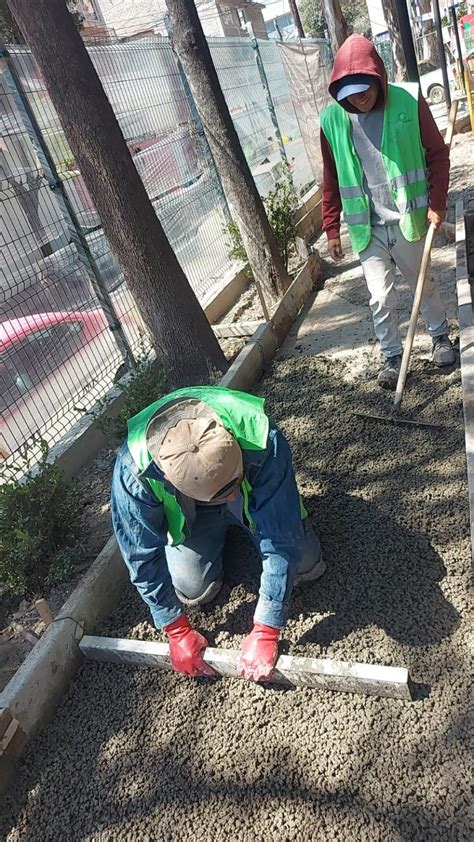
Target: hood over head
{"x": 358, "y": 56}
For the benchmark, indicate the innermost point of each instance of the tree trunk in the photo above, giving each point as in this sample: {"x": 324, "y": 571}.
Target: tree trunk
{"x": 258, "y": 239}
{"x": 336, "y": 23}
{"x": 296, "y": 18}
{"x": 181, "y": 334}
{"x": 398, "y": 53}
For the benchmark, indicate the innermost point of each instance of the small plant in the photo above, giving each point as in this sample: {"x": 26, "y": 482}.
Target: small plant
{"x": 147, "y": 384}
{"x": 39, "y": 525}
{"x": 280, "y": 205}
{"x": 235, "y": 245}
{"x": 62, "y": 565}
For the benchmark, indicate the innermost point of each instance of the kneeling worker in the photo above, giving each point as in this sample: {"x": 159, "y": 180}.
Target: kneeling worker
{"x": 196, "y": 462}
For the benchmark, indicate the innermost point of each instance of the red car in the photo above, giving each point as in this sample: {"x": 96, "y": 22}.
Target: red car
{"x": 47, "y": 361}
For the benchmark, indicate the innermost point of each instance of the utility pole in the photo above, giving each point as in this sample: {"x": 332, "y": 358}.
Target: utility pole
{"x": 441, "y": 53}
{"x": 247, "y": 207}
{"x": 183, "y": 339}
{"x": 296, "y": 17}
{"x": 400, "y": 33}
{"x": 460, "y": 63}
{"x": 336, "y": 23}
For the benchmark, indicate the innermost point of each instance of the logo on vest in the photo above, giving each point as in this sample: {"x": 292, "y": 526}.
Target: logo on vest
{"x": 403, "y": 119}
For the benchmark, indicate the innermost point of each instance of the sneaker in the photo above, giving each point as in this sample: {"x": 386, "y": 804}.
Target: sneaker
{"x": 388, "y": 377}
{"x": 443, "y": 351}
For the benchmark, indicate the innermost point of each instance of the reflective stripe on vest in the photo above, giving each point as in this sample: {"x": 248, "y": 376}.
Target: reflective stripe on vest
{"x": 413, "y": 204}
{"x": 408, "y": 178}
{"x": 404, "y": 161}
{"x": 357, "y": 218}
{"x": 351, "y": 192}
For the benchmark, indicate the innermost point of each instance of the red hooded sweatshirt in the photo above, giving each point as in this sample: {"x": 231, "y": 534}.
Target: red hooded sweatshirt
{"x": 358, "y": 55}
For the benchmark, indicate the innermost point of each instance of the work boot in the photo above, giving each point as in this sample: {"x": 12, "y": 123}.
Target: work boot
{"x": 209, "y": 594}
{"x": 388, "y": 376}
{"x": 443, "y": 351}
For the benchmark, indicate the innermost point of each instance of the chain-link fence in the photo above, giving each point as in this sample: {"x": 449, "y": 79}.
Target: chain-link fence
{"x": 69, "y": 326}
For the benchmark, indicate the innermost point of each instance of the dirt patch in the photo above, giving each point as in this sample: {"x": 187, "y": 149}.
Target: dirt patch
{"x": 19, "y": 620}
{"x": 248, "y": 308}
{"x": 138, "y": 754}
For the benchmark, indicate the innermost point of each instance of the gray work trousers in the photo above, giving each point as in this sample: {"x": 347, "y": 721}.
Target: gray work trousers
{"x": 388, "y": 249}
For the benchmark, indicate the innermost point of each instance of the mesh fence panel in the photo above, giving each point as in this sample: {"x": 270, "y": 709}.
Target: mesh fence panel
{"x": 58, "y": 353}
{"x": 286, "y": 116}
{"x": 55, "y": 345}
{"x": 234, "y": 60}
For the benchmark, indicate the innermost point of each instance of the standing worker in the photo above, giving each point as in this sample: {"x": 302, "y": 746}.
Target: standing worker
{"x": 387, "y": 167}
{"x": 195, "y": 462}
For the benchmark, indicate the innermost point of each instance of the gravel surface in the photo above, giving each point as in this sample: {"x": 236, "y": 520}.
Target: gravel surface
{"x": 139, "y": 755}
{"x": 134, "y": 754}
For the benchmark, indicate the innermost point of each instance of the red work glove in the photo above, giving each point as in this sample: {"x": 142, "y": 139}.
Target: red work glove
{"x": 186, "y": 646}
{"x": 259, "y": 653}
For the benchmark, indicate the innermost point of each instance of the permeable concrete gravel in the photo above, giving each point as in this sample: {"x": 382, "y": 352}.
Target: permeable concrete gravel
{"x": 140, "y": 755}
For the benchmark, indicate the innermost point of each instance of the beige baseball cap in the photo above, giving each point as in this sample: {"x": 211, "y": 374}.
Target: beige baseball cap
{"x": 195, "y": 451}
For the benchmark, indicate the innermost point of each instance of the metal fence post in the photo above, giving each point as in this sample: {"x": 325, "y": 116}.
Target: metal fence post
{"x": 56, "y": 185}
{"x": 266, "y": 88}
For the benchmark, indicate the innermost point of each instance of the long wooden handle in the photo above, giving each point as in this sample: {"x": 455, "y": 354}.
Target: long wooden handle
{"x": 420, "y": 284}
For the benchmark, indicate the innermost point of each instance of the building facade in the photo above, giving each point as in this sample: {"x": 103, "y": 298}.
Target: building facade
{"x": 219, "y": 18}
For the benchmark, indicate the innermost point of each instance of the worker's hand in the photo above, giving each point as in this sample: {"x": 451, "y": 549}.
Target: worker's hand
{"x": 186, "y": 646}
{"x": 335, "y": 248}
{"x": 435, "y": 217}
{"x": 259, "y": 653}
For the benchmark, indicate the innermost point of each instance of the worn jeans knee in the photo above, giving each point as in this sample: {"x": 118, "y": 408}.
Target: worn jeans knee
{"x": 196, "y": 563}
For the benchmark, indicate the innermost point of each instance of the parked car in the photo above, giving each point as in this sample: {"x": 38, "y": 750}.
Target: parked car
{"x": 431, "y": 80}
{"x": 47, "y": 360}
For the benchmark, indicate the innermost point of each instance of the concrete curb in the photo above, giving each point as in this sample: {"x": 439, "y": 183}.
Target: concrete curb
{"x": 249, "y": 364}
{"x": 36, "y": 688}
{"x": 466, "y": 350}
{"x": 38, "y": 685}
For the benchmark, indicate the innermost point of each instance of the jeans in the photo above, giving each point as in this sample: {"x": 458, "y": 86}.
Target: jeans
{"x": 197, "y": 562}
{"x": 387, "y": 249}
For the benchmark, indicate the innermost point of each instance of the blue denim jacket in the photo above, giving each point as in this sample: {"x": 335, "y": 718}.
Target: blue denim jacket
{"x": 141, "y": 530}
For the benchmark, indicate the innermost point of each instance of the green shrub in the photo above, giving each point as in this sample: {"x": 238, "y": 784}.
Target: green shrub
{"x": 280, "y": 205}
{"x": 235, "y": 246}
{"x": 39, "y": 526}
{"x": 147, "y": 383}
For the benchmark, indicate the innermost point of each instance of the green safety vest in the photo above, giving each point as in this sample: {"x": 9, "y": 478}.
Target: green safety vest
{"x": 404, "y": 160}
{"x": 242, "y": 414}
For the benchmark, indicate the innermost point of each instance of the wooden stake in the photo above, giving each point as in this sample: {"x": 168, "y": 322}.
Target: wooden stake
{"x": 342, "y": 676}
{"x": 44, "y": 611}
